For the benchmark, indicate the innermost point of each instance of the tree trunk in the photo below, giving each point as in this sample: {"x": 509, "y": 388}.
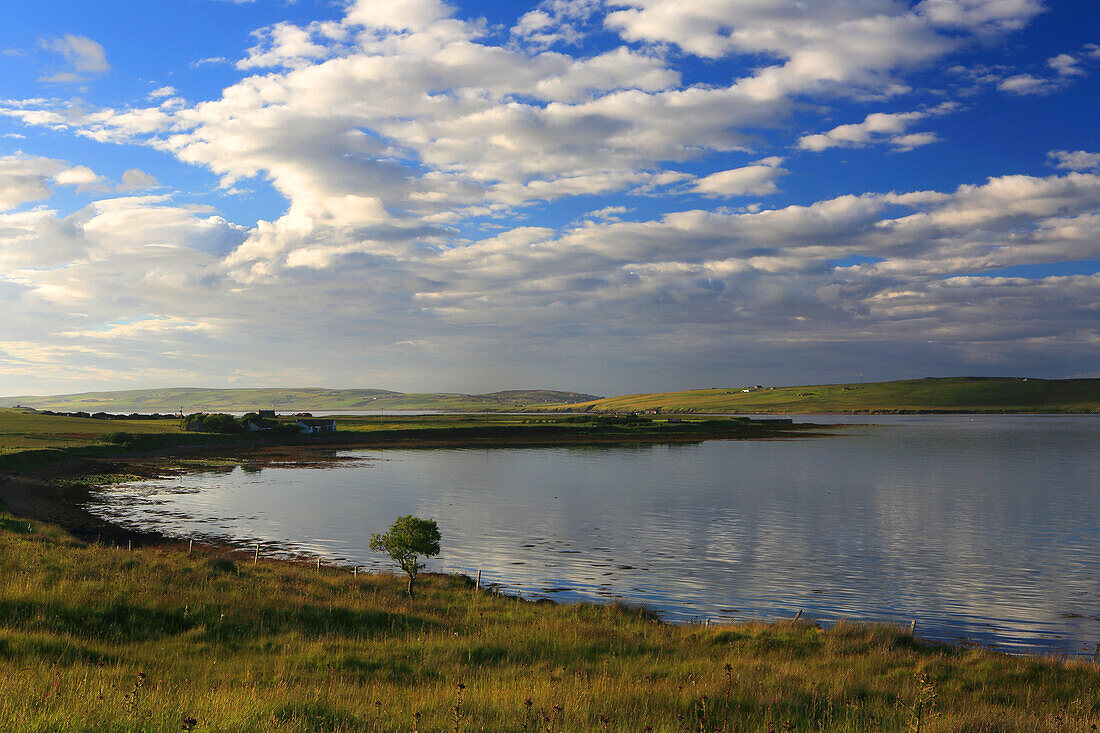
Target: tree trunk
{"x": 411, "y": 579}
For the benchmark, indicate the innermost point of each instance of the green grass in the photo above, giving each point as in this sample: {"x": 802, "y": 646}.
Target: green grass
{"x": 956, "y": 394}
{"x": 22, "y": 430}
{"x": 29, "y": 440}
{"x": 169, "y": 400}
{"x": 94, "y": 638}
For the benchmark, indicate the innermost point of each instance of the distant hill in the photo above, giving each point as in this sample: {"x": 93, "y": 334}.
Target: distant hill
{"x": 195, "y": 399}
{"x": 954, "y": 394}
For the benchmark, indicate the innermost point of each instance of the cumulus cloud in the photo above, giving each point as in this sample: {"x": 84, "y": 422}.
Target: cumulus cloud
{"x": 555, "y": 21}
{"x": 1077, "y": 160}
{"x": 137, "y": 179}
{"x": 758, "y": 179}
{"x": 402, "y": 134}
{"x": 1066, "y": 65}
{"x": 878, "y": 127}
{"x": 821, "y": 45}
{"x": 26, "y": 178}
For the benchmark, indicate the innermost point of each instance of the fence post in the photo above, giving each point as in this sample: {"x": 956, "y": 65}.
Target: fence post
{"x": 478, "y": 586}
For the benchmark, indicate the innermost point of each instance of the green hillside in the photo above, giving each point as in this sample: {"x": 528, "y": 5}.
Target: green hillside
{"x": 193, "y": 399}
{"x": 954, "y": 394}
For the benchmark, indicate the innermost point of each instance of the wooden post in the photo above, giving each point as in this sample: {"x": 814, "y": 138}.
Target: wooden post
{"x": 256, "y": 557}
{"x": 190, "y": 546}
{"x": 355, "y": 571}
{"x": 318, "y": 563}
{"x": 707, "y": 622}
{"x": 1096, "y": 654}
{"x": 798, "y": 615}
{"x": 912, "y": 627}
{"x": 130, "y": 545}
{"x": 478, "y": 586}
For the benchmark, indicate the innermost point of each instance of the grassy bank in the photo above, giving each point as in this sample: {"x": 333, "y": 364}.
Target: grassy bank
{"x": 30, "y": 440}
{"x": 957, "y": 394}
{"x": 96, "y": 638}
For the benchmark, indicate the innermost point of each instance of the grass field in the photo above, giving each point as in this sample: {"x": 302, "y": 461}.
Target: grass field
{"x": 29, "y": 440}
{"x": 957, "y": 394}
{"x": 170, "y": 400}
{"x": 22, "y": 430}
{"x": 95, "y": 638}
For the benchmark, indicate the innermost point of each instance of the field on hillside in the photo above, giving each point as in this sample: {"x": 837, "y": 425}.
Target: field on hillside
{"x": 288, "y": 400}
{"x": 96, "y": 638}
{"x": 29, "y": 440}
{"x": 957, "y": 394}
{"x": 22, "y": 430}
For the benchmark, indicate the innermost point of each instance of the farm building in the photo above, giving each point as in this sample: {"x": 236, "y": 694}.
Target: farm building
{"x": 316, "y": 427}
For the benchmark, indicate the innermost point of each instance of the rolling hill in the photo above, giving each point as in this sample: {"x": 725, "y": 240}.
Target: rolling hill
{"x": 953, "y": 394}
{"x": 193, "y": 399}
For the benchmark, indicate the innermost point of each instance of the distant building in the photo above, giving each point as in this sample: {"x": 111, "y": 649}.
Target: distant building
{"x": 266, "y": 413}
{"x": 316, "y": 427}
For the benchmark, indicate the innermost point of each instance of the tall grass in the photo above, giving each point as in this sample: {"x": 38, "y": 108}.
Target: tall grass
{"x": 97, "y": 638}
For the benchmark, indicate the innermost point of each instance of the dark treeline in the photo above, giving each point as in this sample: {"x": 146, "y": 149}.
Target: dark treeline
{"x": 109, "y": 416}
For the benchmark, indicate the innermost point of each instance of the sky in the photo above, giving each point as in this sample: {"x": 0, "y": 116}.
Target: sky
{"x": 608, "y": 196}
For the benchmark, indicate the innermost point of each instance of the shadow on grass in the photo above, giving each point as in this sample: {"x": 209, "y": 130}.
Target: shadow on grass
{"x": 123, "y": 622}
{"x": 57, "y": 651}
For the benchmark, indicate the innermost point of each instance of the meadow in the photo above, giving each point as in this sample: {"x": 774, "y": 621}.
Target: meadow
{"x": 95, "y": 637}
{"x": 31, "y": 440}
{"x": 953, "y": 394}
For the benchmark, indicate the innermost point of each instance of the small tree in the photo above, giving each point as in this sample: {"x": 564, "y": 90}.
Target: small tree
{"x": 408, "y": 538}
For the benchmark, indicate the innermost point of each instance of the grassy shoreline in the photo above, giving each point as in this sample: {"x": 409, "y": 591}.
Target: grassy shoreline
{"x": 95, "y": 637}
{"x": 98, "y": 637}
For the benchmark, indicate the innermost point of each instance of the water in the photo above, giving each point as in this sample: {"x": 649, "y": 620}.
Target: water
{"x": 980, "y": 528}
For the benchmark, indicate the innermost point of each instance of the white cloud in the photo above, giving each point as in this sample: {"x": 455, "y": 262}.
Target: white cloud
{"x": 1026, "y": 85}
{"x": 757, "y": 179}
{"x": 83, "y": 177}
{"x": 1066, "y": 65}
{"x": 819, "y": 46}
{"x": 141, "y": 328}
{"x": 24, "y": 179}
{"x": 1078, "y": 160}
{"x": 84, "y": 55}
{"x": 398, "y": 15}
{"x": 878, "y": 127}
{"x": 402, "y": 134}
{"x": 137, "y": 179}
{"x": 982, "y": 16}
{"x": 556, "y": 21}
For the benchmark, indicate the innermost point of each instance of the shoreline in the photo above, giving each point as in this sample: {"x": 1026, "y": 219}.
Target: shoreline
{"x": 54, "y": 492}
{"x": 57, "y": 494}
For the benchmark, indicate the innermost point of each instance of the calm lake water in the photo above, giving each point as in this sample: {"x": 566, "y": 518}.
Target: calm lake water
{"x": 983, "y": 528}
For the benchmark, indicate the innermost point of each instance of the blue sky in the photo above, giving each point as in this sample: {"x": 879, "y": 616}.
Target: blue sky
{"x": 608, "y": 196}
